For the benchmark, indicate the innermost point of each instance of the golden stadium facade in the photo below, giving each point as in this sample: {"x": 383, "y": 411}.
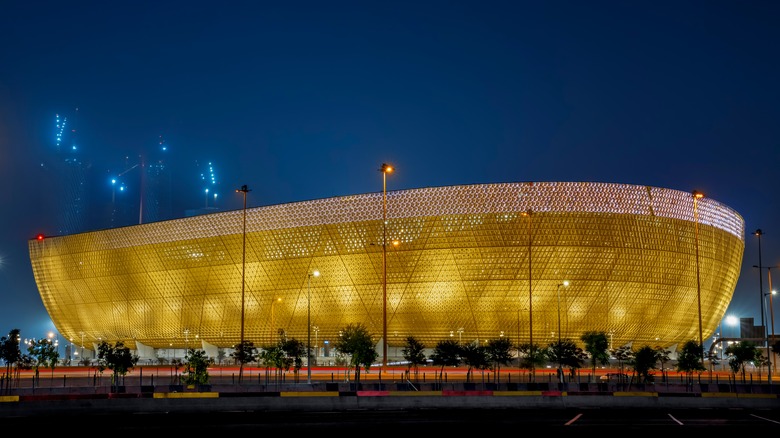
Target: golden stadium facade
{"x": 466, "y": 262}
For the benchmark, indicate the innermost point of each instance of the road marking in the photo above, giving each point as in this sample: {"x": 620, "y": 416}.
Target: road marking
{"x": 765, "y": 419}
{"x": 675, "y": 420}
{"x": 568, "y": 423}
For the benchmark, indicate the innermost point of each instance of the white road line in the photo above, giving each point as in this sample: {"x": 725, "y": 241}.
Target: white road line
{"x": 765, "y": 419}
{"x": 675, "y": 420}
{"x": 568, "y": 423}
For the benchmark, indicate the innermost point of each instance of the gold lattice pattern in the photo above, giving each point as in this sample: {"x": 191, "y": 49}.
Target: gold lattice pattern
{"x": 469, "y": 265}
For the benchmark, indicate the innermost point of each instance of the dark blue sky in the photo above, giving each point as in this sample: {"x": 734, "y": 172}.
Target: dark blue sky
{"x": 305, "y": 99}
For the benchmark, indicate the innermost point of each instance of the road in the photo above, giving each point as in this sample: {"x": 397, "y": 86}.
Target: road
{"x": 456, "y": 421}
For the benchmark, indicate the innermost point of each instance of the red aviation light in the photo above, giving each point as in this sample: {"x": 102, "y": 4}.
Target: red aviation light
{"x": 39, "y": 237}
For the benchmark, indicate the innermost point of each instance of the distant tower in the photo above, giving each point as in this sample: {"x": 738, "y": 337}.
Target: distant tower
{"x": 156, "y": 191}
{"x": 125, "y": 190}
{"x": 69, "y": 176}
{"x": 209, "y": 190}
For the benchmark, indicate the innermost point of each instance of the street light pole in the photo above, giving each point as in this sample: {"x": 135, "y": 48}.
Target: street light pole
{"x": 308, "y": 328}
{"x": 385, "y": 169}
{"x": 273, "y": 324}
{"x": 760, "y": 266}
{"x": 560, "y": 366}
{"x": 771, "y": 307}
{"x": 530, "y": 302}
{"x": 696, "y": 196}
{"x": 243, "y": 190}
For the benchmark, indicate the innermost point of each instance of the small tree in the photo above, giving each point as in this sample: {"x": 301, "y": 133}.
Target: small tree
{"x": 447, "y": 353}
{"x": 499, "y": 352}
{"x": 118, "y": 358}
{"x": 689, "y": 359}
{"x": 623, "y": 355}
{"x": 176, "y": 364}
{"x": 597, "y": 346}
{"x": 243, "y": 354}
{"x": 196, "y": 367}
{"x": 760, "y": 361}
{"x": 740, "y": 354}
{"x": 414, "y": 355}
{"x": 663, "y": 355}
{"x": 475, "y": 357}
{"x": 273, "y": 356}
{"x": 11, "y": 354}
{"x": 531, "y": 357}
{"x": 356, "y": 342}
{"x": 44, "y": 354}
{"x": 644, "y": 360}
{"x": 565, "y": 354}
{"x": 293, "y": 350}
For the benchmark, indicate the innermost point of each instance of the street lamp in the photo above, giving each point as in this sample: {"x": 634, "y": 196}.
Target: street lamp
{"x": 55, "y": 341}
{"x": 760, "y": 266}
{"x": 732, "y": 321}
{"x": 530, "y": 295}
{"x": 696, "y": 196}
{"x": 560, "y": 367}
{"x": 243, "y": 190}
{"x": 385, "y": 169}
{"x": 308, "y": 327}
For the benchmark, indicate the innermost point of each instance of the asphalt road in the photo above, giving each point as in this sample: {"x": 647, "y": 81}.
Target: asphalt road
{"x": 456, "y": 421}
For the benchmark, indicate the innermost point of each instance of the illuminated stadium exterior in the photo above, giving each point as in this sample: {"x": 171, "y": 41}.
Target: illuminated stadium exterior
{"x": 467, "y": 261}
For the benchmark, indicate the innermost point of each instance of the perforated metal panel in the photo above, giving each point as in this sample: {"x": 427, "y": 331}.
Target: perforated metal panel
{"x": 461, "y": 269}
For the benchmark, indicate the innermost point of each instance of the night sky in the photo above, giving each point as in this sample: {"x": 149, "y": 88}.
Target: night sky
{"x": 302, "y": 100}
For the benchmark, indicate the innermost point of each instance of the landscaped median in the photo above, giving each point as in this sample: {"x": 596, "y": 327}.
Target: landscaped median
{"x": 370, "y": 393}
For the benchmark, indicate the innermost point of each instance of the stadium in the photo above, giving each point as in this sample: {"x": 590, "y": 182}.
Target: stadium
{"x": 531, "y": 261}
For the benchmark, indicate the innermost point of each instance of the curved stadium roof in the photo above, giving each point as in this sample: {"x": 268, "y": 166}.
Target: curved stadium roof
{"x": 469, "y": 264}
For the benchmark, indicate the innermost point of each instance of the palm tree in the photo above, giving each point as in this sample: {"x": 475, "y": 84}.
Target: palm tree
{"x": 499, "y": 352}
{"x": 644, "y": 360}
{"x": 531, "y": 357}
{"x": 564, "y": 353}
{"x": 474, "y": 356}
{"x": 447, "y": 353}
